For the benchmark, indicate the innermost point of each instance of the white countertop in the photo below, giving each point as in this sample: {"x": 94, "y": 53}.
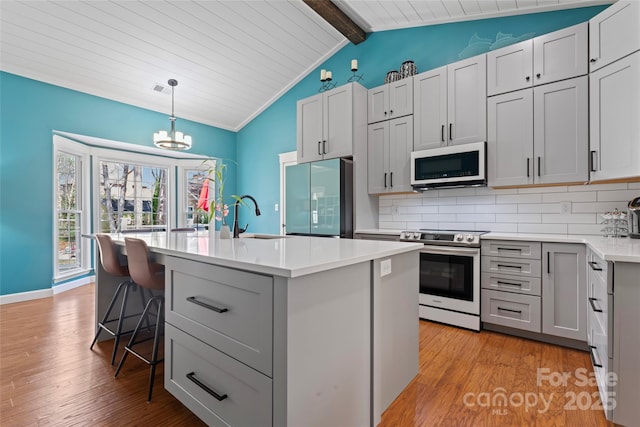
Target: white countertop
{"x": 621, "y": 249}
{"x": 290, "y": 256}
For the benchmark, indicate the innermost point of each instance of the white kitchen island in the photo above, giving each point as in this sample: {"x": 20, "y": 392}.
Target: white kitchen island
{"x": 293, "y": 331}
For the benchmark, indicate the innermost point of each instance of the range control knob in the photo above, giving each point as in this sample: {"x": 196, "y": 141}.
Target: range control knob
{"x": 459, "y": 237}
{"x": 469, "y": 237}
{"x": 417, "y": 235}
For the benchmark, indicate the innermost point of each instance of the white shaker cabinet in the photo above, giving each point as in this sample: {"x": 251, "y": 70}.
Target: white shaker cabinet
{"x": 510, "y": 138}
{"x": 561, "y": 54}
{"x": 328, "y": 123}
{"x": 388, "y": 160}
{"x": 561, "y": 130}
{"x": 564, "y": 290}
{"x": 548, "y": 58}
{"x": 557, "y": 115}
{"x": 390, "y": 100}
{"x": 615, "y": 127}
{"x": 450, "y": 104}
{"x": 614, "y": 33}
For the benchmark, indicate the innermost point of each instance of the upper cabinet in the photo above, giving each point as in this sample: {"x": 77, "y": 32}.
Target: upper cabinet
{"x": 615, "y": 127}
{"x": 389, "y": 147}
{"x": 539, "y": 135}
{"x": 614, "y": 33}
{"x": 551, "y": 57}
{"x": 390, "y": 100}
{"x": 327, "y": 123}
{"x": 449, "y": 104}
{"x": 614, "y": 103}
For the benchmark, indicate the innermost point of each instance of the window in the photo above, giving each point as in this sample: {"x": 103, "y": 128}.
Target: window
{"x": 197, "y": 194}
{"x": 69, "y": 252}
{"x": 132, "y": 196}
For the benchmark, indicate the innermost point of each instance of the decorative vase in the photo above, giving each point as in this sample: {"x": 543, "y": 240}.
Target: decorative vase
{"x": 225, "y": 233}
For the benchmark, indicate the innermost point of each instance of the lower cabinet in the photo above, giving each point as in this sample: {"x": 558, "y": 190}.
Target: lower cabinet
{"x": 216, "y": 387}
{"x": 564, "y": 290}
{"x": 537, "y": 287}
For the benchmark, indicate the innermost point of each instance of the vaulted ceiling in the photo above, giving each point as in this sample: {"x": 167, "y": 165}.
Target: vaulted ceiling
{"x": 231, "y": 58}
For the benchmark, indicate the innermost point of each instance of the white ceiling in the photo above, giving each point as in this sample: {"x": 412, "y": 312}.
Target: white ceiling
{"x": 231, "y": 58}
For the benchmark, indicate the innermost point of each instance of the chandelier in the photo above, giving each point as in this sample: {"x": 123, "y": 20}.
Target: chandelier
{"x": 172, "y": 140}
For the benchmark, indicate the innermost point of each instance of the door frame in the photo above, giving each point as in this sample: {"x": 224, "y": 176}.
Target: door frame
{"x": 289, "y": 158}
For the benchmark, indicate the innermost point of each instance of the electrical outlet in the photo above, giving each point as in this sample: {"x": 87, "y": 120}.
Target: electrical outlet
{"x": 565, "y": 207}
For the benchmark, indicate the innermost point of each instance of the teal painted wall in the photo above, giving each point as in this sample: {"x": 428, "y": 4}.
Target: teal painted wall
{"x": 30, "y": 111}
{"x": 274, "y": 131}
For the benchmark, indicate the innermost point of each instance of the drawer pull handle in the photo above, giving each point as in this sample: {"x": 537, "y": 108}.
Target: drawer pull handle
{"x": 510, "y": 249}
{"x": 593, "y": 305}
{"x": 517, "y": 267}
{"x": 594, "y": 266}
{"x": 593, "y": 357}
{"x": 192, "y": 377}
{"x": 500, "y": 282}
{"x": 510, "y": 310}
{"x": 209, "y": 306}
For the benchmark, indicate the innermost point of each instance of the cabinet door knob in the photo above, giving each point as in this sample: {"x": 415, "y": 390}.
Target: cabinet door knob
{"x": 527, "y": 78}
{"x": 538, "y": 75}
{"x": 442, "y": 133}
{"x": 390, "y": 111}
{"x": 385, "y": 113}
{"x": 385, "y": 180}
{"x": 593, "y": 60}
{"x": 324, "y": 147}
{"x": 528, "y": 168}
{"x": 593, "y": 161}
{"x": 538, "y": 165}
{"x": 391, "y": 179}
{"x": 450, "y": 131}
{"x": 319, "y": 152}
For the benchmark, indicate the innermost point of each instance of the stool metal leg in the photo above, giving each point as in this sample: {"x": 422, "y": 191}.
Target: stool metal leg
{"x": 121, "y": 320}
{"x": 156, "y": 340}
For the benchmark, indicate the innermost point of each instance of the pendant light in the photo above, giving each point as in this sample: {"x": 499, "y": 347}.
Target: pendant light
{"x": 172, "y": 140}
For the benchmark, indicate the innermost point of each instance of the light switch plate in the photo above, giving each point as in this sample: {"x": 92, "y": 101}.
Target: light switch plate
{"x": 385, "y": 267}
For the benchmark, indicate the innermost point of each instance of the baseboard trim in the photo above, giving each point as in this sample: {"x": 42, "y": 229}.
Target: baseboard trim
{"x": 45, "y": 293}
{"x": 67, "y": 286}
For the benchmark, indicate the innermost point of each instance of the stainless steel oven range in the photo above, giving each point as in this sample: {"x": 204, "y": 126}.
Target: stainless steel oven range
{"x": 449, "y": 276}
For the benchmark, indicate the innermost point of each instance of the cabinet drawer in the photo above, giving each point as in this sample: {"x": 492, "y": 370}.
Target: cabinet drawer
{"x": 598, "y": 345}
{"x": 230, "y": 309}
{"x": 196, "y": 372}
{"x": 597, "y": 266}
{"x": 511, "y": 283}
{"x": 512, "y": 310}
{"x": 511, "y": 249}
{"x": 598, "y": 299}
{"x": 513, "y": 266}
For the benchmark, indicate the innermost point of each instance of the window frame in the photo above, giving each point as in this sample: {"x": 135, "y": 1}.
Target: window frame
{"x": 61, "y": 146}
{"x": 182, "y": 202}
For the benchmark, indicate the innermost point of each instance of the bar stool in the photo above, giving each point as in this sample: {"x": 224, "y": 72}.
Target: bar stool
{"x": 111, "y": 264}
{"x": 151, "y": 276}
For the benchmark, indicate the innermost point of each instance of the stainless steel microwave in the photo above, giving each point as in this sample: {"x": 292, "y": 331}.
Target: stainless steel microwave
{"x": 454, "y": 166}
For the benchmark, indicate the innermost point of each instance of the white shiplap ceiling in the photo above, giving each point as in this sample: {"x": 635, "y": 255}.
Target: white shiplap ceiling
{"x": 232, "y": 58}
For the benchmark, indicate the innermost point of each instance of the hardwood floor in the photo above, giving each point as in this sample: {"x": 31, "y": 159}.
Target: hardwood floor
{"x": 49, "y": 377}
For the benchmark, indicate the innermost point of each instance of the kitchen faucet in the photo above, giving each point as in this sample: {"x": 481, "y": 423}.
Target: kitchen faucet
{"x": 236, "y": 229}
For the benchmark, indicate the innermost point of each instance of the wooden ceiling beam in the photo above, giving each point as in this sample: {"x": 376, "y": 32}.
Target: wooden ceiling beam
{"x": 338, "y": 19}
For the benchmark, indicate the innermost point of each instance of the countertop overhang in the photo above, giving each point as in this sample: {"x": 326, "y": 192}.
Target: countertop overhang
{"x": 287, "y": 256}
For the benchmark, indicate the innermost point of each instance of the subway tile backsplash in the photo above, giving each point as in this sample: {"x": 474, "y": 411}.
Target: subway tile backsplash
{"x": 552, "y": 210}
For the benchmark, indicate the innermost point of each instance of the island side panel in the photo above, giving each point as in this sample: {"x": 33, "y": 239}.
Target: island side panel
{"x": 328, "y": 349}
{"x": 395, "y": 327}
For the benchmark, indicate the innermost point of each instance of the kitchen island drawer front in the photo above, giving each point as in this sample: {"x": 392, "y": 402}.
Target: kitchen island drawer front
{"x": 511, "y": 283}
{"x": 512, "y": 310}
{"x": 216, "y": 387}
{"x": 230, "y": 309}
{"x": 513, "y": 266}
{"x": 511, "y": 249}
{"x": 597, "y": 266}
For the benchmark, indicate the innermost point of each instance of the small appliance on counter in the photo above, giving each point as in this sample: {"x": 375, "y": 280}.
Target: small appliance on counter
{"x": 633, "y": 218}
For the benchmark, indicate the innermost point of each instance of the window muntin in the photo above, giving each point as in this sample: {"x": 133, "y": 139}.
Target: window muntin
{"x": 131, "y": 196}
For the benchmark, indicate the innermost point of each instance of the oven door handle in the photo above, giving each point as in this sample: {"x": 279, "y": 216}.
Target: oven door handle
{"x": 449, "y": 250}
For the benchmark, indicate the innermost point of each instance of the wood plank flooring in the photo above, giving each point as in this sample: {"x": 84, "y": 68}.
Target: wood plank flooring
{"x": 49, "y": 377}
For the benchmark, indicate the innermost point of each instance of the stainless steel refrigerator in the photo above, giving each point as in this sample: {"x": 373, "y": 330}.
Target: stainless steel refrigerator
{"x": 319, "y": 198}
